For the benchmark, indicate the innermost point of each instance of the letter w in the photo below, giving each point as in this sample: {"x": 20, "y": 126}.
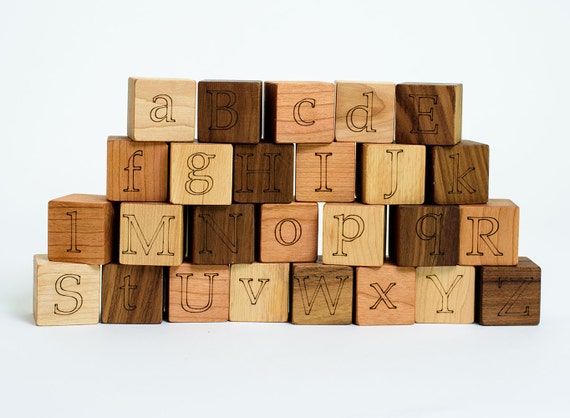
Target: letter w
{"x": 322, "y": 285}
{"x": 163, "y": 226}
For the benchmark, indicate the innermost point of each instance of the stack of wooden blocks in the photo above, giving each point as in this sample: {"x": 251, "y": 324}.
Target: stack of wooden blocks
{"x": 226, "y": 227}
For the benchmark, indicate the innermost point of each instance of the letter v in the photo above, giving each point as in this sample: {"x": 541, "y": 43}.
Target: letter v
{"x": 253, "y": 297}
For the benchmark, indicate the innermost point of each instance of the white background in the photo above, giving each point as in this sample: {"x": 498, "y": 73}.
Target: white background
{"x": 64, "y": 69}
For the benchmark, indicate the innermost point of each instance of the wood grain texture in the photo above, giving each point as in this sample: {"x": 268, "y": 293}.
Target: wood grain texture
{"x": 259, "y": 292}
{"x": 65, "y": 293}
{"x": 161, "y": 109}
{"x": 137, "y": 171}
{"x": 428, "y": 114}
{"x": 509, "y": 295}
{"x": 80, "y": 229}
{"x": 364, "y": 111}
{"x": 229, "y": 111}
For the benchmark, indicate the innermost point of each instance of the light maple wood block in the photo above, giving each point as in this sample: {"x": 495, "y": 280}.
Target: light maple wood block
{"x": 385, "y": 295}
{"x": 201, "y": 174}
{"x": 392, "y": 174}
{"x": 80, "y": 229}
{"x": 299, "y": 111}
{"x": 65, "y": 293}
{"x": 326, "y": 173}
{"x": 161, "y": 109}
{"x": 137, "y": 171}
{"x": 364, "y": 111}
{"x": 288, "y": 232}
{"x": 198, "y": 293}
{"x": 150, "y": 234}
{"x": 489, "y": 234}
{"x": 445, "y": 294}
{"x": 259, "y": 292}
{"x": 353, "y": 234}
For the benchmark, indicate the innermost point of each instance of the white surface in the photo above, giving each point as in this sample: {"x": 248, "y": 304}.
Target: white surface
{"x": 64, "y": 68}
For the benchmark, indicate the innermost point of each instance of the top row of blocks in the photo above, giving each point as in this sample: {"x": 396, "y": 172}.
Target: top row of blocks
{"x": 295, "y": 112}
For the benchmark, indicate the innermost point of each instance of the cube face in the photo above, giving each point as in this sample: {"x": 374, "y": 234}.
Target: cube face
{"x": 321, "y": 294}
{"x": 489, "y": 234}
{"x": 364, "y": 112}
{"x": 428, "y": 114}
{"x": 445, "y": 295}
{"x": 80, "y": 229}
{"x": 198, "y": 293}
{"x": 137, "y": 171}
{"x": 131, "y": 294}
{"x": 229, "y": 111}
{"x": 259, "y": 292}
{"x": 161, "y": 109}
{"x": 201, "y": 174}
{"x": 393, "y": 174}
{"x": 299, "y": 112}
{"x": 509, "y": 295}
{"x": 65, "y": 293}
{"x": 353, "y": 234}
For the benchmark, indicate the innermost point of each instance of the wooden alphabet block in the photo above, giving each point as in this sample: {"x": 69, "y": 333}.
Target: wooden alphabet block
{"x": 509, "y": 295}
{"x": 489, "y": 234}
{"x": 428, "y": 114}
{"x": 80, "y": 229}
{"x": 326, "y": 173}
{"x": 137, "y": 171}
{"x": 299, "y": 112}
{"x": 392, "y": 174}
{"x": 65, "y": 293}
{"x": 198, "y": 293}
{"x": 161, "y": 109}
{"x": 445, "y": 295}
{"x": 288, "y": 232}
{"x": 131, "y": 294}
{"x": 229, "y": 111}
{"x": 364, "y": 111}
{"x": 353, "y": 234}
{"x": 151, "y": 234}
{"x": 223, "y": 234}
{"x": 259, "y": 292}
{"x": 201, "y": 174}
{"x": 385, "y": 295}
{"x": 424, "y": 235}
{"x": 458, "y": 174}
{"x": 263, "y": 173}
{"x": 321, "y": 294}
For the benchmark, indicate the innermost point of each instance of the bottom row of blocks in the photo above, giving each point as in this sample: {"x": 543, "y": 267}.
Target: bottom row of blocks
{"x": 303, "y": 293}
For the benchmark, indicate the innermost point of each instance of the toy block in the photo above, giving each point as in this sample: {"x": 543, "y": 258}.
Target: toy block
{"x": 288, "y": 232}
{"x": 80, "y": 229}
{"x": 137, "y": 171}
{"x": 263, "y": 173}
{"x": 161, "y": 109}
{"x": 201, "y": 174}
{"x": 428, "y": 114}
{"x": 458, "y": 174}
{"x": 364, "y": 111}
{"x": 65, "y": 293}
{"x": 150, "y": 234}
{"x": 299, "y": 112}
{"x": 392, "y": 174}
{"x": 198, "y": 293}
{"x": 353, "y": 234}
{"x": 326, "y": 173}
{"x": 321, "y": 294}
{"x": 229, "y": 111}
{"x": 509, "y": 295}
{"x": 445, "y": 295}
{"x": 259, "y": 292}
{"x": 223, "y": 234}
{"x": 489, "y": 234}
{"x": 424, "y": 235}
{"x": 131, "y": 294}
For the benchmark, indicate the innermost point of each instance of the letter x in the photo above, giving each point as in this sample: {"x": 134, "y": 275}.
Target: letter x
{"x": 383, "y": 295}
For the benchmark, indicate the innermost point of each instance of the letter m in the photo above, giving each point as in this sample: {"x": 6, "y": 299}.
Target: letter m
{"x": 160, "y": 236}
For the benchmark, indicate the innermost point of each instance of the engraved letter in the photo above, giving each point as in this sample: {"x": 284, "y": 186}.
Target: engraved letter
{"x": 367, "y": 111}
{"x": 244, "y": 186}
{"x": 220, "y": 108}
{"x": 506, "y": 309}
{"x": 166, "y": 107}
{"x": 297, "y": 112}
{"x": 342, "y": 236}
{"x": 444, "y": 293}
{"x": 230, "y": 243}
{"x": 485, "y": 236}
{"x": 430, "y": 233}
{"x": 184, "y": 284}
{"x": 418, "y": 100}
{"x": 197, "y": 162}
{"x": 383, "y": 295}
{"x": 253, "y": 297}
{"x": 130, "y": 169}
{"x": 322, "y": 285}
{"x": 76, "y": 296}
{"x": 297, "y": 231}
{"x": 164, "y": 226}
{"x": 394, "y": 174}
{"x": 324, "y": 169}
{"x": 73, "y": 233}
{"x": 129, "y": 289}
{"x": 459, "y": 179}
